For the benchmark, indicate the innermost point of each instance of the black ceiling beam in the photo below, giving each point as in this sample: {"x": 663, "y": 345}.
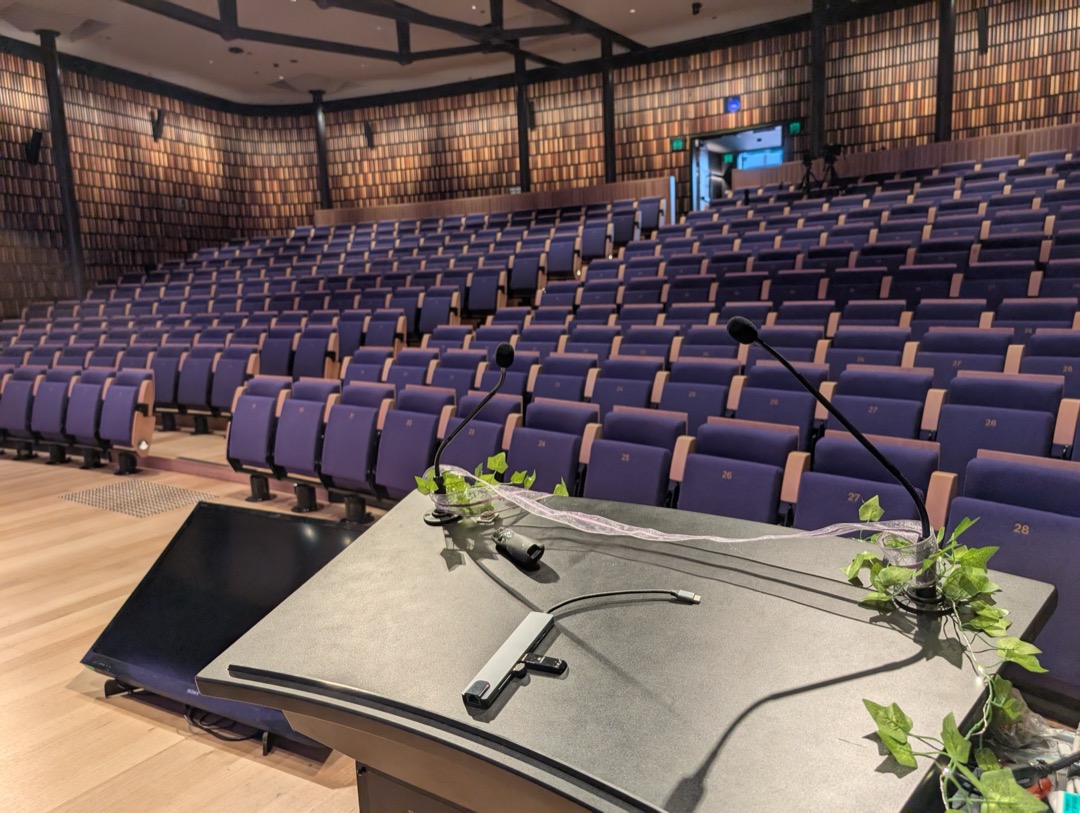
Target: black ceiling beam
{"x": 404, "y": 43}
{"x": 486, "y": 35}
{"x": 496, "y": 7}
{"x": 583, "y": 24}
{"x": 177, "y": 12}
{"x": 229, "y": 20}
{"x": 540, "y": 31}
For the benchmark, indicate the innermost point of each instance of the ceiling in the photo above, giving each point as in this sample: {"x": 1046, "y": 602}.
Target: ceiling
{"x": 275, "y": 51}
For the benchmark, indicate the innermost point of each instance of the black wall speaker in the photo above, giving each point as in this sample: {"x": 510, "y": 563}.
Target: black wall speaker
{"x": 369, "y": 134}
{"x": 32, "y": 147}
{"x": 982, "y": 23}
{"x": 157, "y": 123}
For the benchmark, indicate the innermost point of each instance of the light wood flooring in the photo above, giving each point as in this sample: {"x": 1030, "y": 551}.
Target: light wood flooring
{"x": 65, "y": 569}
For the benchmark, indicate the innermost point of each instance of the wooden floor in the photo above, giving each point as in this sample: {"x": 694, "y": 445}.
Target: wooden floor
{"x": 65, "y": 569}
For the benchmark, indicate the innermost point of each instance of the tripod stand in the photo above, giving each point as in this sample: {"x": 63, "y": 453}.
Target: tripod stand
{"x": 809, "y": 178}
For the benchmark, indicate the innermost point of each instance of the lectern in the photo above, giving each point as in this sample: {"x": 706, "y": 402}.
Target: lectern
{"x": 750, "y": 700}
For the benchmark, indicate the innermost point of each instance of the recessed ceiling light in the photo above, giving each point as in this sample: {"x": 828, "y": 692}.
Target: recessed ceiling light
{"x": 280, "y": 76}
{"x": 633, "y": 11}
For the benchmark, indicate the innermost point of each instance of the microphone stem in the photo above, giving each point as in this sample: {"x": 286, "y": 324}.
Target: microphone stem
{"x": 920, "y": 506}
{"x": 440, "y": 488}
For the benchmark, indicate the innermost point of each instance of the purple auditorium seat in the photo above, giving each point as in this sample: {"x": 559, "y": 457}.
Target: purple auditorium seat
{"x": 194, "y": 385}
{"x": 455, "y": 370}
{"x": 681, "y": 265}
{"x": 830, "y": 257}
{"x": 1054, "y": 351}
{"x": 642, "y": 266}
{"x": 950, "y": 350}
{"x": 736, "y": 469}
{"x": 699, "y": 288}
{"x": 1057, "y": 199}
{"x": 542, "y": 339}
{"x": 600, "y": 270}
{"x": 678, "y": 246}
{"x": 1025, "y": 316}
{"x": 595, "y": 241}
{"x": 772, "y": 261}
{"x": 995, "y": 281}
{"x": 799, "y": 286}
{"x": 727, "y": 262}
{"x": 409, "y": 437}
{"x": 561, "y": 258}
{"x": 623, "y": 381}
{"x": 127, "y": 417}
{"x": 882, "y": 401}
{"x": 650, "y": 340}
{"x": 316, "y": 354}
{"x": 489, "y": 337}
{"x": 277, "y": 350}
{"x": 72, "y": 355}
{"x": 138, "y": 356}
{"x": 552, "y": 315}
{"x": 644, "y": 291}
{"x": 930, "y": 313}
{"x": 797, "y": 342}
{"x": 518, "y": 374}
{"x": 884, "y": 255}
{"x": 904, "y": 231}
{"x": 1025, "y": 247}
{"x": 412, "y": 366}
{"x": 1018, "y": 221}
{"x": 387, "y": 327}
{"x": 483, "y": 437}
{"x": 50, "y": 410}
{"x": 638, "y": 314}
{"x": 597, "y": 340}
{"x": 651, "y": 213}
{"x": 685, "y": 315}
{"x": 487, "y": 289}
{"x": 708, "y": 341}
{"x": 410, "y": 300}
{"x": 563, "y": 376}
{"x": 298, "y": 441}
{"x": 844, "y": 475}
{"x": 83, "y": 418}
{"x": 1008, "y": 413}
{"x": 166, "y": 368}
{"x": 699, "y": 389}
{"x": 252, "y": 430}
{"x": 866, "y": 345}
{"x": 517, "y": 317}
{"x": 550, "y": 443}
{"x": 48, "y": 355}
{"x": 631, "y": 462}
{"x": 16, "y": 407}
{"x": 852, "y": 233}
{"x": 772, "y": 395}
{"x": 236, "y": 365}
{"x": 1027, "y": 509}
{"x": 448, "y": 337}
{"x": 105, "y": 355}
{"x": 351, "y": 326}
{"x": 916, "y": 283}
{"x": 966, "y": 227}
{"x": 526, "y": 273}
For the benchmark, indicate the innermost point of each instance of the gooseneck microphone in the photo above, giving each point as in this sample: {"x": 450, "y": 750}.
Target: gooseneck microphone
{"x": 743, "y": 331}
{"x": 504, "y": 357}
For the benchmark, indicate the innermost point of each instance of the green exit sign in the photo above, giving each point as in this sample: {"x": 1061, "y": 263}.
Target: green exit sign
{"x": 678, "y": 144}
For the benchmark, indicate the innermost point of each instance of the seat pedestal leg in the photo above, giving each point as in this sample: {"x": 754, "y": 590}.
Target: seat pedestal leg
{"x": 305, "y": 499}
{"x": 202, "y": 427}
{"x": 127, "y": 463}
{"x": 260, "y": 489}
{"x": 356, "y": 512}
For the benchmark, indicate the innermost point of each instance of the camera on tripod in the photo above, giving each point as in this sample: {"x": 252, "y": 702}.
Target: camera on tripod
{"x": 829, "y": 153}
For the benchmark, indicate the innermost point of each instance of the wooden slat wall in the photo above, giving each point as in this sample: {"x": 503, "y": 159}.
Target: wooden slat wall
{"x": 567, "y": 139}
{"x": 648, "y": 187}
{"x": 685, "y": 97}
{"x": 1031, "y": 75}
{"x": 1065, "y": 137}
{"x": 430, "y": 150}
{"x": 31, "y": 247}
{"x": 881, "y": 79}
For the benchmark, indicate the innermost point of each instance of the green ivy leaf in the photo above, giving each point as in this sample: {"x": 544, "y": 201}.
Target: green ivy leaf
{"x": 962, "y": 583}
{"x": 529, "y": 481}
{"x": 975, "y": 557}
{"x": 893, "y": 727}
{"x": 517, "y": 478}
{"x": 1002, "y": 794}
{"x": 871, "y": 510}
{"x": 961, "y": 526}
{"x": 986, "y": 760}
{"x": 424, "y": 485}
{"x": 497, "y": 463}
{"x": 479, "y": 470}
{"x": 956, "y": 745}
{"x": 561, "y": 490}
{"x": 891, "y": 577}
{"x": 876, "y": 599}
{"x": 988, "y": 619}
{"x": 861, "y": 560}
{"x": 1019, "y": 652}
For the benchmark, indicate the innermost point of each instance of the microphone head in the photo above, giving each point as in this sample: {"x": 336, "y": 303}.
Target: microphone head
{"x": 742, "y": 330}
{"x": 504, "y": 355}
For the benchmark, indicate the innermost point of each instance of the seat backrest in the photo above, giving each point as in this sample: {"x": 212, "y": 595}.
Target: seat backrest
{"x": 560, "y": 416}
{"x": 645, "y": 427}
{"x": 772, "y": 375}
{"x": 429, "y": 400}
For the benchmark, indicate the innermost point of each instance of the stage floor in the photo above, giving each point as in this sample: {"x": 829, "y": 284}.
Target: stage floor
{"x": 68, "y": 560}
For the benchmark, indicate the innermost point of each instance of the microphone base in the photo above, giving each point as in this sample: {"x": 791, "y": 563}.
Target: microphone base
{"x": 926, "y": 601}
{"x": 438, "y": 518}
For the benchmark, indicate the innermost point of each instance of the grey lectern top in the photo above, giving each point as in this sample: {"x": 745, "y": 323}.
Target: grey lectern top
{"x": 751, "y": 700}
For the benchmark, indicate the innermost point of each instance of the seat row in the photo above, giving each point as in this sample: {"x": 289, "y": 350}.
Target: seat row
{"x": 69, "y": 410}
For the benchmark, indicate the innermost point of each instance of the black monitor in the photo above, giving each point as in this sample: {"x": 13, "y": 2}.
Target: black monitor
{"x": 224, "y": 570}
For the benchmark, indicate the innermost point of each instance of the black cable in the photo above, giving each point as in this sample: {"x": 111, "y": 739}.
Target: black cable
{"x": 212, "y": 728}
{"x": 1040, "y": 768}
{"x": 682, "y": 595}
